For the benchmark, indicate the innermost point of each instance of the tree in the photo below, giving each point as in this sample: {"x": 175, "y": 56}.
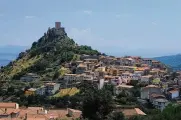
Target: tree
{"x": 10, "y": 90}
{"x": 97, "y": 104}
{"x": 116, "y": 116}
{"x": 56, "y": 75}
{"x": 40, "y": 65}
{"x": 174, "y": 75}
{"x": 110, "y": 87}
{"x": 21, "y": 55}
{"x": 171, "y": 112}
{"x": 136, "y": 118}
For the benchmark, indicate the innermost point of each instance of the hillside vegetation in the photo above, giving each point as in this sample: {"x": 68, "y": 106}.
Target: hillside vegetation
{"x": 46, "y": 56}
{"x": 67, "y": 91}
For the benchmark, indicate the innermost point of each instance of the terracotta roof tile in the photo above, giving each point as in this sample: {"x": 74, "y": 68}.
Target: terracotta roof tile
{"x": 154, "y": 95}
{"x": 139, "y": 112}
{"x": 7, "y": 105}
{"x": 132, "y": 112}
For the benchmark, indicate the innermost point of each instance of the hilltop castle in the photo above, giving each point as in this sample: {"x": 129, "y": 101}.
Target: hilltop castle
{"x": 59, "y": 30}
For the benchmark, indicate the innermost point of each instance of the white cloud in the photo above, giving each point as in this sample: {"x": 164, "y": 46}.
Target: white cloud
{"x": 153, "y": 23}
{"x": 29, "y": 17}
{"x": 88, "y": 12}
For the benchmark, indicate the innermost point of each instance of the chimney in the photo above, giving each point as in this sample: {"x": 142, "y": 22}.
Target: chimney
{"x": 16, "y": 106}
{"x": 46, "y": 112}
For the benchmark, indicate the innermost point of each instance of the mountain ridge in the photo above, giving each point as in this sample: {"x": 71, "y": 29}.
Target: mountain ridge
{"x": 173, "y": 60}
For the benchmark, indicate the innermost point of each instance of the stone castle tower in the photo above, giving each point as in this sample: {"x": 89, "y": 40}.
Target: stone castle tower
{"x": 59, "y": 30}
{"x": 57, "y": 25}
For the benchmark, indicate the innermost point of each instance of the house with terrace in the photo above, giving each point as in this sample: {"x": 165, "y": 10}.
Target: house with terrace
{"x": 91, "y": 60}
{"x": 81, "y": 68}
{"x": 51, "y": 88}
{"x": 71, "y": 80}
{"x": 123, "y": 87}
{"x": 29, "y": 77}
{"x": 127, "y": 75}
{"x": 148, "y": 90}
{"x": 90, "y": 65}
{"x": 147, "y": 61}
{"x": 156, "y": 64}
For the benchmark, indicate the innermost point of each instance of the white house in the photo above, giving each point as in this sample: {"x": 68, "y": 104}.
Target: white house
{"x": 51, "y": 88}
{"x": 101, "y": 84}
{"x": 174, "y": 94}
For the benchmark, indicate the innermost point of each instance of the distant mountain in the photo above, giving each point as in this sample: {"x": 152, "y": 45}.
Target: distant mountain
{"x": 10, "y": 52}
{"x": 173, "y": 61}
{"x": 12, "y": 49}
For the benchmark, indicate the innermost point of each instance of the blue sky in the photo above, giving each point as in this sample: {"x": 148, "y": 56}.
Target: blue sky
{"x": 118, "y": 27}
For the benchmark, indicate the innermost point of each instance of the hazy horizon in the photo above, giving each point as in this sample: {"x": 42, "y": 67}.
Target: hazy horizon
{"x": 15, "y": 50}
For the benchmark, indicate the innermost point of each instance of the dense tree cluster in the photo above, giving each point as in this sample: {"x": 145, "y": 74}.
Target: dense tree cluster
{"x": 98, "y": 103}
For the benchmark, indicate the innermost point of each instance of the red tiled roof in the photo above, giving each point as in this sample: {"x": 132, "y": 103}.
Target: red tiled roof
{"x": 7, "y": 105}
{"x": 139, "y": 112}
{"x": 132, "y": 112}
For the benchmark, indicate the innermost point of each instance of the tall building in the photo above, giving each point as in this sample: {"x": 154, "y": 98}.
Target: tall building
{"x": 57, "y": 25}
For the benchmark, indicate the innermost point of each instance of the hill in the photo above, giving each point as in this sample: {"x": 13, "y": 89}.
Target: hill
{"x": 173, "y": 61}
{"x": 46, "y": 56}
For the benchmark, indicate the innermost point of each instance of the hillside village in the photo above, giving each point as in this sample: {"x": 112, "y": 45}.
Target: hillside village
{"x": 151, "y": 82}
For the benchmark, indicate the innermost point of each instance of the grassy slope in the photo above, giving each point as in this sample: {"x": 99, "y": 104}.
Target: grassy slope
{"x": 19, "y": 65}
{"x": 68, "y": 91}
